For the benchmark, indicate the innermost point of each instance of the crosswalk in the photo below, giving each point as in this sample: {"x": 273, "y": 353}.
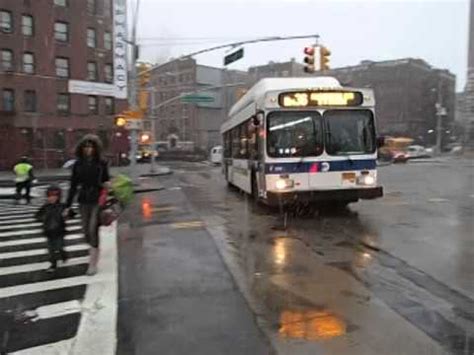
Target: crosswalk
{"x": 38, "y": 308}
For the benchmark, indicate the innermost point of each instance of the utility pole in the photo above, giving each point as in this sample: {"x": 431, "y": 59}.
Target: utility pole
{"x": 133, "y": 96}
{"x": 153, "y": 133}
{"x": 439, "y": 123}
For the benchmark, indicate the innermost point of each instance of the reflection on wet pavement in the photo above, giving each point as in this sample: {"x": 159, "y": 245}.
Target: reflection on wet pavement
{"x": 146, "y": 208}
{"x": 310, "y": 325}
{"x": 339, "y": 263}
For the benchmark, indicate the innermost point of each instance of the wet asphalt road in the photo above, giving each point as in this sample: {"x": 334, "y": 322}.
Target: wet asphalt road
{"x": 390, "y": 276}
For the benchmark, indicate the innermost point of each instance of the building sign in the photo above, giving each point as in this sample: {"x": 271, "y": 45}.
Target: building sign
{"x": 120, "y": 49}
{"x": 91, "y": 88}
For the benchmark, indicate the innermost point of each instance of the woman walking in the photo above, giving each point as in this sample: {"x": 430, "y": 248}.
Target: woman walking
{"x": 90, "y": 173}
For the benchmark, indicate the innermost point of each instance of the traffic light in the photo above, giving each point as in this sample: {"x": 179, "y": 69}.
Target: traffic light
{"x": 309, "y": 59}
{"x": 120, "y": 121}
{"x": 324, "y": 55}
{"x": 145, "y": 137}
{"x": 144, "y": 74}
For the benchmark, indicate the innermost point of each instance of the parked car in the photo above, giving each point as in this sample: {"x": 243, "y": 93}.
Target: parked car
{"x": 216, "y": 155}
{"x": 416, "y": 152}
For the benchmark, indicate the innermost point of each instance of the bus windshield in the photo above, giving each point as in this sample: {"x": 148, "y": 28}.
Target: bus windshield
{"x": 350, "y": 132}
{"x": 294, "y": 134}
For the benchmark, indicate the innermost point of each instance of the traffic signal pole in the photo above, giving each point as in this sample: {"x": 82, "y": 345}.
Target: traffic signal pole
{"x": 153, "y": 133}
{"x": 133, "y": 100}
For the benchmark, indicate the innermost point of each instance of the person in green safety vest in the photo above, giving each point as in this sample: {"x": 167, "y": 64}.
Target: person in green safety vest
{"x": 24, "y": 177}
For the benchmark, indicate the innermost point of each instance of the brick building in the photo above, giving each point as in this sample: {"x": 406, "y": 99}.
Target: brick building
{"x": 49, "y": 48}
{"x": 466, "y": 98}
{"x": 193, "y": 122}
{"x": 406, "y": 93}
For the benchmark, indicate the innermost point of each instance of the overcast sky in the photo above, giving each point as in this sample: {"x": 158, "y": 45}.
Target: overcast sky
{"x": 435, "y": 31}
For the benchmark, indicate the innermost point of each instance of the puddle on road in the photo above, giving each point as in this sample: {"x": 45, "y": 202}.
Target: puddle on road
{"x": 310, "y": 325}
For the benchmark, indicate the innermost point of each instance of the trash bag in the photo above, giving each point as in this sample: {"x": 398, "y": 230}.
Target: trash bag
{"x": 122, "y": 188}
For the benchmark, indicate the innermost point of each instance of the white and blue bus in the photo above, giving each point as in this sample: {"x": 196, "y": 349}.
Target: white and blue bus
{"x": 303, "y": 140}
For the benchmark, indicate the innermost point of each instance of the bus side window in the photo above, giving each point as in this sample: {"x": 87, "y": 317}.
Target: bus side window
{"x": 227, "y": 145}
{"x": 243, "y": 154}
{"x": 252, "y": 140}
{"x": 235, "y": 142}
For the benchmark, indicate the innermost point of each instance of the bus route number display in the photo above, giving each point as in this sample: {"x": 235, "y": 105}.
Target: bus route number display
{"x": 319, "y": 98}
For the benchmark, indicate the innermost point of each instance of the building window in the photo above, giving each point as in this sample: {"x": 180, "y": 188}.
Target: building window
{"x": 30, "y": 101}
{"x": 61, "y": 31}
{"x": 109, "y": 106}
{"x": 7, "y": 60}
{"x": 6, "y": 22}
{"x": 28, "y": 63}
{"x": 62, "y": 67}
{"x": 91, "y": 7}
{"x": 107, "y": 8}
{"x": 93, "y": 105}
{"x": 92, "y": 71}
{"x": 90, "y": 38}
{"x": 63, "y": 104}
{"x": 27, "y": 25}
{"x": 109, "y": 73}
{"x": 60, "y": 2}
{"x": 8, "y": 99}
{"x": 108, "y": 41}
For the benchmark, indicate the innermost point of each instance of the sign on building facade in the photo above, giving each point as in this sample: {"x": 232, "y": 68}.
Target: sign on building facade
{"x": 120, "y": 49}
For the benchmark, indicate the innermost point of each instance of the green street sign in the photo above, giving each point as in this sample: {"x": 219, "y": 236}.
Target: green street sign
{"x": 230, "y": 58}
{"x": 197, "y": 98}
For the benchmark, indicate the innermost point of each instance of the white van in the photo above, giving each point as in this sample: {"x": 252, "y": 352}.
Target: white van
{"x": 216, "y": 155}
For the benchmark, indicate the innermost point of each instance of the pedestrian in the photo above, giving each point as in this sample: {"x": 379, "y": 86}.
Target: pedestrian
{"x": 24, "y": 177}
{"x": 90, "y": 174}
{"x": 52, "y": 214}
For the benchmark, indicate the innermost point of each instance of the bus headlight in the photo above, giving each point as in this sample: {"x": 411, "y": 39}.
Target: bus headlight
{"x": 366, "y": 180}
{"x": 282, "y": 184}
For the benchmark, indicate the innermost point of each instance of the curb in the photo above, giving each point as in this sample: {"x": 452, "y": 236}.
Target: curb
{"x": 148, "y": 189}
{"x": 156, "y": 174}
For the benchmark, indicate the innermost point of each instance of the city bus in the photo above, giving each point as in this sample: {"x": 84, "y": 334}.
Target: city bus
{"x": 303, "y": 140}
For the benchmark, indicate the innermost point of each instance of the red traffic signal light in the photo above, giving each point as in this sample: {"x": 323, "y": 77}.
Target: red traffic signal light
{"x": 309, "y": 59}
{"x": 309, "y": 50}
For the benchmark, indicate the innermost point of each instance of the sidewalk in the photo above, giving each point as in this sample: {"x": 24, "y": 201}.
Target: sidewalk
{"x": 146, "y": 181}
{"x": 7, "y": 177}
{"x": 176, "y": 295}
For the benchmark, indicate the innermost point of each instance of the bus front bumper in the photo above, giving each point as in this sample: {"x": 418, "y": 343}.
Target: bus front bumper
{"x": 345, "y": 195}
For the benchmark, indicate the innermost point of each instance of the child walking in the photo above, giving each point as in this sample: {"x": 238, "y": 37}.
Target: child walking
{"x": 52, "y": 215}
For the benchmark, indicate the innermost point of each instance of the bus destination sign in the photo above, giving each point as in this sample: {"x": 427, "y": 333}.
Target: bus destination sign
{"x": 320, "y": 98}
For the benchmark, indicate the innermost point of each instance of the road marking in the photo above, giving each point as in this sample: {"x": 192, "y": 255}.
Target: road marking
{"x": 10, "y": 270}
{"x": 20, "y": 221}
{"x": 27, "y": 241}
{"x": 35, "y": 252}
{"x": 35, "y": 231}
{"x": 23, "y": 220}
{"x": 57, "y": 309}
{"x": 185, "y": 225}
{"x": 438, "y": 199}
{"x": 15, "y": 216}
{"x": 163, "y": 209}
{"x": 23, "y": 225}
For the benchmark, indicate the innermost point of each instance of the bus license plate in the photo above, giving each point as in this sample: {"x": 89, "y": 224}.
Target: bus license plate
{"x": 348, "y": 177}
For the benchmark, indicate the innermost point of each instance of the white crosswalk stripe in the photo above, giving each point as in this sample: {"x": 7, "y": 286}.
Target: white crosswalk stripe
{"x": 18, "y": 254}
{"x": 40, "y": 266}
{"x": 54, "y": 301}
{"x": 36, "y": 240}
{"x": 23, "y": 266}
{"x": 34, "y": 231}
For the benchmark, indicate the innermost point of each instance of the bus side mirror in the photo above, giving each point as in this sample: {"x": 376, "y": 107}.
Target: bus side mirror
{"x": 380, "y": 141}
